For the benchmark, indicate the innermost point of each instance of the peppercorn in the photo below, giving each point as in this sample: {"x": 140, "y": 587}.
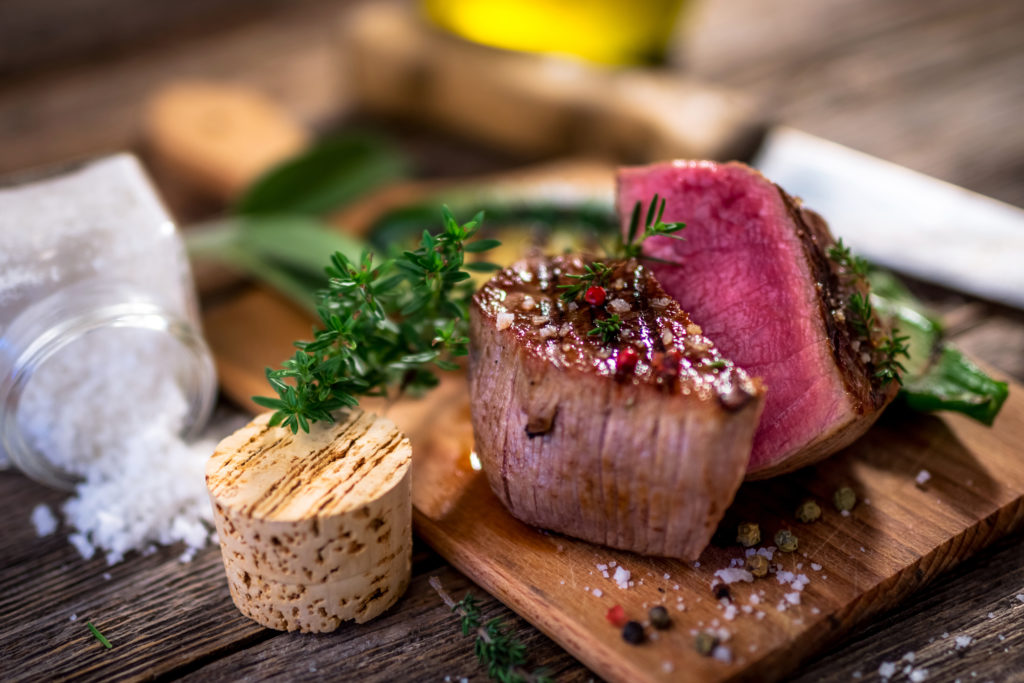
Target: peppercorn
{"x": 808, "y": 511}
{"x": 626, "y": 361}
{"x": 845, "y": 499}
{"x": 616, "y": 615}
{"x": 659, "y": 617}
{"x": 705, "y": 643}
{"x": 786, "y": 541}
{"x": 594, "y": 295}
{"x": 721, "y": 592}
{"x": 633, "y": 632}
{"x": 757, "y": 565}
{"x": 748, "y": 534}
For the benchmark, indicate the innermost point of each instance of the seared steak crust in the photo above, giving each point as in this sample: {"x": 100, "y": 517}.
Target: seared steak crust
{"x": 637, "y": 441}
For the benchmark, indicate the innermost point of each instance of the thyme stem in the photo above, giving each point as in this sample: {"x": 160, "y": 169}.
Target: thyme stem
{"x": 502, "y": 654}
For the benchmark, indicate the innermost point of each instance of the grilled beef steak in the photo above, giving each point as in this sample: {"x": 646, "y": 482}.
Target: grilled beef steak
{"x": 755, "y": 273}
{"x": 635, "y": 438}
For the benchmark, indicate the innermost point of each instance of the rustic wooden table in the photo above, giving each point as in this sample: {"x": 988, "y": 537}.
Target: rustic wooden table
{"x": 935, "y": 86}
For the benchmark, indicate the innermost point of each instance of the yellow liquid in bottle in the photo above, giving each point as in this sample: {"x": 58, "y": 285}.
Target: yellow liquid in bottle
{"x": 612, "y": 32}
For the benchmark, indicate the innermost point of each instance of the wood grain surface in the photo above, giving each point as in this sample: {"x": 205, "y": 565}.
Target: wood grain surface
{"x": 931, "y": 85}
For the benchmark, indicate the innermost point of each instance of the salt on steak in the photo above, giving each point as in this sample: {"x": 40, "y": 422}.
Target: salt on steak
{"x": 756, "y": 274}
{"x": 636, "y": 439}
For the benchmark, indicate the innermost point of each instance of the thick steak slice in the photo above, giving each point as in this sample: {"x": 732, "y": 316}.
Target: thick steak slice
{"x": 754, "y": 272}
{"x": 637, "y": 441}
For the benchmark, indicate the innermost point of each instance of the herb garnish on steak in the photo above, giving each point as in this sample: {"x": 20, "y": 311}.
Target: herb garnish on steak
{"x": 636, "y": 436}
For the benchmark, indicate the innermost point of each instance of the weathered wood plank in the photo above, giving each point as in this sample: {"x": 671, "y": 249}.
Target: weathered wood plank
{"x": 418, "y": 640}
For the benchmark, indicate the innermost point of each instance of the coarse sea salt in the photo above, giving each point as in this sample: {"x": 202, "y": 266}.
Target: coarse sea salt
{"x": 118, "y": 427}
{"x": 621, "y": 578}
{"x": 43, "y": 520}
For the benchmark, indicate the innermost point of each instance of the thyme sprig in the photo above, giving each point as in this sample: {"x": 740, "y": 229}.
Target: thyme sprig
{"x": 502, "y": 654}
{"x": 888, "y": 348}
{"x": 383, "y": 326}
{"x": 594, "y": 274}
{"x": 608, "y": 328}
{"x": 597, "y": 273}
{"x": 653, "y": 226}
{"x": 841, "y": 255}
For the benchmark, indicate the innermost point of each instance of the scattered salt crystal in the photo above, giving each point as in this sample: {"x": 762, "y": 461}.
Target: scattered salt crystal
{"x": 675, "y": 586}
{"x": 43, "y": 520}
{"x": 722, "y": 654}
{"x": 918, "y": 675}
{"x": 922, "y": 477}
{"x": 680, "y": 607}
{"x": 945, "y": 635}
{"x": 562, "y": 582}
{"x": 857, "y": 675}
{"x": 747, "y": 609}
{"x": 991, "y": 615}
{"x": 601, "y": 567}
{"x": 815, "y": 610}
{"x": 666, "y": 576}
{"x": 792, "y": 598}
{"x": 887, "y": 669}
{"x": 730, "y": 612}
{"x": 799, "y": 565}
{"x": 618, "y": 305}
{"x": 1001, "y": 637}
{"x": 667, "y": 667}
{"x": 612, "y": 563}
{"x": 505, "y": 320}
{"x": 963, "y": 641}
{"x": 734, "y": 575}
{"x": 598, "y": 592}
{"x": 106, "y": 576}
{"x": 754, "y": 599}
{"x": 863, "y": 549}
{"x": 548, "y": 331}
{"x": 528, "y": 303}
{"x": 909, "y": 657}
{"x": 844, "y": 513}
{"x": 815, "y": 566}
{"x": 73, "y": 617}
{"x": 1020, "y": 596}
{"x": 759, "y": 615}
{"x": 767, "y": 553}
{"x": 621, "y": 577}
{"x": 696, "y": 565}
{"x": 82, "y": 545}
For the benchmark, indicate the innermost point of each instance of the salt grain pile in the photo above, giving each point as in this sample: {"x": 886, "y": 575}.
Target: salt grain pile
{"x": 119, "y": 429}
{"x": 108, "y": 406}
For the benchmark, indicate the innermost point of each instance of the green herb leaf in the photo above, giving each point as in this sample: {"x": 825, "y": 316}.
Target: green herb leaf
{"x": 955, "y": 383}
{"x": 608, "y": 328}
{"x": 381, "y": 326}
{"x": 99, "y": 636}
{"x": 326, "y": 177}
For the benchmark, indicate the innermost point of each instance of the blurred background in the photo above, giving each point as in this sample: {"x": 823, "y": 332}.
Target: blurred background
{"x": 934, "y": 85}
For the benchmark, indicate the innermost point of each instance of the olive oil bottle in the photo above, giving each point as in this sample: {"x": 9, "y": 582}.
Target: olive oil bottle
{"x": 611, "y": 32}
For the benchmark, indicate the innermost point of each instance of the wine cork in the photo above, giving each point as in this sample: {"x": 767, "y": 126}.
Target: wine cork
{"x": 219, "y": 136}
{"x": 315, "y": 528}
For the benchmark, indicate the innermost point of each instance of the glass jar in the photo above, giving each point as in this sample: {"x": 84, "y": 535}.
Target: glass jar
{"x": 98, "y": 318}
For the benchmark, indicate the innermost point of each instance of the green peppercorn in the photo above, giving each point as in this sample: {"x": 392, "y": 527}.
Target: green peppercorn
{"x": 659, "y": 617}
{"x": 786, "y": 541}
{"x": 845, "y": 499}
{"x": 757, "y": 565}
{"x": 705, "y": 643}
{"x": 808, "y": 511}
{"x": 633, "y": 632}
{"x": 748, "y": 534}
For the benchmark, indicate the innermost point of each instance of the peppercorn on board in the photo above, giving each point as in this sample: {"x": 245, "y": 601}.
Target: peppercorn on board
{"x": 900, "y": 533}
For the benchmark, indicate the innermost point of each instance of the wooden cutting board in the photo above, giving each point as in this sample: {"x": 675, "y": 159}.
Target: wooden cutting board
{"x": 899, "y": 536}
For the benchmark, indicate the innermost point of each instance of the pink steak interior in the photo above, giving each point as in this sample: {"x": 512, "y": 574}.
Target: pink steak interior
{"x": 744, "y": 278}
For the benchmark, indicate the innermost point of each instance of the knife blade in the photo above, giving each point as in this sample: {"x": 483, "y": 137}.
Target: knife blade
{"x": 901, "y": 219}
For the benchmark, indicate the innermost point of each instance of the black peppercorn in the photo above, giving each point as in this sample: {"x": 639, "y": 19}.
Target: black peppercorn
{"x": 633, "y": 632}
{"x": 659, "y": 617}
{"x": 705, "y": 643}
{"x": 721, "y": 591}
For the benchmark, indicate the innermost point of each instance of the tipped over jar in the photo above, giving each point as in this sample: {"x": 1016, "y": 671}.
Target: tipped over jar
{"x": 102, "y": 359}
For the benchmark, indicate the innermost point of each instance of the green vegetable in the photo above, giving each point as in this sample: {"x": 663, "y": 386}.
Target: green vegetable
{"x": 328, "y": 175}
{"x": 938, "y": 376}
{"x": 286, "y": 252}
{"x": 382, "y": 327}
